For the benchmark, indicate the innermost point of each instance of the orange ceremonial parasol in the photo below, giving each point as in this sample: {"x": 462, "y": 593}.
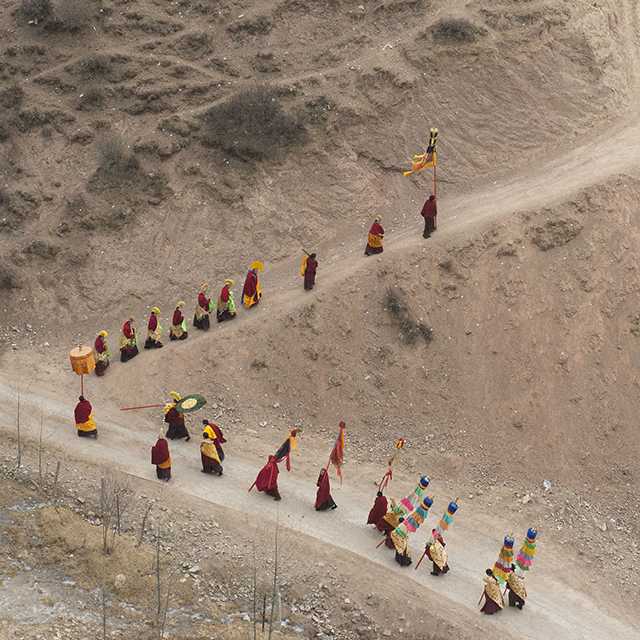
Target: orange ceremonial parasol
{"x": 82, "y": 362}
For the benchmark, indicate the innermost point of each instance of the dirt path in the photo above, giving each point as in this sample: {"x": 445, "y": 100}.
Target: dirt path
{"x": 552, "y": 606}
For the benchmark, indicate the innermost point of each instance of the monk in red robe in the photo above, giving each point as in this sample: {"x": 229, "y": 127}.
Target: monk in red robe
{"x": 161, "y": 458}
{"x": 374, "y": 241}
{"x": 429, "y": 213}
{"x": 215, "y": 434}
{"x": 492, "y": 594}
{"x": 267, "y": 479}
{"x": 323, "y": 496}
{"x": 309, "y": 271}
{"x": 128, "y": 341}
{"x": 101, "y": 353}
{"x": 209, "y": 455}
{"x": 226, "y": 304}
{"x": 175, "y": 420}
{"x": 251, "y": 291}
{"x": 178, "y": 324}
{"x": 379, "y": 510}
{"x": 435, "y": 553}
{"x": 154, "y": 331}
{"x": 84, "y": 419}
{"x": 203, "y": 309}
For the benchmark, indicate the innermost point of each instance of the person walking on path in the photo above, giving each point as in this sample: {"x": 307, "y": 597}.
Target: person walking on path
{"x": 324, "y": 500}
{"x": 84, "y": 419}
{"x": 251, "y": 293}
{"x": 178, "y": 324}
{"x": 309, "y": 268}
{"x": 517, "y": 590}
{"x": 374, "y": 241}
{"x": 493, "y": 596}
{"x": 128, "y": 341}
{"x": 175, "y": 420}
{"x": 161, "y": 458}
{"x": 203, "y": 309}
{"x": 379, "y": 509}
{"x": 436, "y": 553}
{"x": 101, "y": 353}
{"x": 430, "y": 214}
{"x": 209, "y": 455}
{"x": 226, "y": 304}
{"x": 214, "y": 432}
{"x": 154, "y": 331}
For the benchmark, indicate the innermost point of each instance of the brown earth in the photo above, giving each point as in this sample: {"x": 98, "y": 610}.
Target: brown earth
{"x": 502, "y": 349}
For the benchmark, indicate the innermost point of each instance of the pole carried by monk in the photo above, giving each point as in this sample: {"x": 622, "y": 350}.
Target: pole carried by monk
{"x": 267, "y": 479}
{"x": 392, "y": 463}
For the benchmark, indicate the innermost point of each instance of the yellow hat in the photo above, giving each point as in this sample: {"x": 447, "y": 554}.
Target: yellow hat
{"x": 103, "y": 334}
{"x": 180, "y": 304}
{"x": 379, "y": 218}
{"x": 204, "y": 288}
{"x": 175, "y": 396}
{"x": 155, "y": 310}
{"x": 256, "y": 265}
{"x": 229, "y": 283}
{"x": 130, "y": 319}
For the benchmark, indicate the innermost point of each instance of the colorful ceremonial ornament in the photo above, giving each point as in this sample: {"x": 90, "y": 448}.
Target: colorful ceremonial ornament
{"x": 408, "y": 504}
{"x": 528, "y": 550}
{"x": 190, "y": 403}
{"x": 428, "y": 158}
{"x": 502, "y": 567}
{"x": 447, "y": 518}
{"x": 282, "y": 453}
{"x": 337, "y": 453}
{"x": 392, "y": 463}
{"x": 410, "y": 524}
{"x": 82, "y": 362}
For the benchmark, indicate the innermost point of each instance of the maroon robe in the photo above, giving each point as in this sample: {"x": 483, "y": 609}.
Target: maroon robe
{"x": 250, "y": 287}
{"x": 204, "y": 322}
{"x": 100, "y": 348}
{"x": 129, "y": 351}
{"x": 436, "y": 569}
{"x": 219, "y": 441}
{"x": 310, "y": 273}
{"x": 209, "y": 465}
{"x": 323, "y": 497}
{"x": 376, "y": 230}
{"x": 267, "y": 479}
{"x": 177, "y": 317}
{"x": 175, "y": 419}
{"x": 378, "y": 511}
{"x": 160, "y": 455}
{"x": 82, "y": 412}
{"x": 429, "y": 213}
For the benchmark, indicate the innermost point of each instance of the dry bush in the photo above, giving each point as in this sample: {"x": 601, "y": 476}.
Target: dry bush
{"x": 42, "y": 249}
{"x": 410, "y": 329}
{"x": 92, "y": 97}
{"x": 252, "y": 123}
{"x": 71, "y": 16}
{"x": 36, "y": 10}
{"x": 12, "y": 96}
{"x": 5, "y": 130}
{"x": 114, "y": 157}
{"x": 454, "y": 30}
{"x": 97, "y": 65}
{"x": 8, "y": 277}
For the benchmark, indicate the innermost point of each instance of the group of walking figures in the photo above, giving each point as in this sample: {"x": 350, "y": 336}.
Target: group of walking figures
{"x": 398, "y": 520}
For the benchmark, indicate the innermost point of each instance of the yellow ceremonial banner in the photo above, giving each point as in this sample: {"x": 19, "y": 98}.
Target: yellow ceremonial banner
{"x": 428, "y": 158}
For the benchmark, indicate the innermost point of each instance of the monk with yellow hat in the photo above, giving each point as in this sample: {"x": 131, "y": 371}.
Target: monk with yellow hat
{"x": 251, "y": 292}
{"x": 178, "y": 325}
{"x": 226, "y": 303}
{"x": 101, "y": 353}
{"x": 203, "y": 309}
{"x": 154, "y": 331}
{"x": 374, "y": 241}
{"x": 128, "y": 341}
{"x": 175, "y": 420}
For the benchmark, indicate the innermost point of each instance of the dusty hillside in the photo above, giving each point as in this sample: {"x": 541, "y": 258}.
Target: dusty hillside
{"x": 149, "y": 147}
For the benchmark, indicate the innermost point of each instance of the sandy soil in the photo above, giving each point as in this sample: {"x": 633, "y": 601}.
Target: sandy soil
{"x": 530, "y": 286}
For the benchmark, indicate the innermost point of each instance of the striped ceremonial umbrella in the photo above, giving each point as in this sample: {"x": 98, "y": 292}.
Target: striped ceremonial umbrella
{"x": 502, "y": 567}
{"x": 525, "y": 556}
{"x": 190, "y": 403}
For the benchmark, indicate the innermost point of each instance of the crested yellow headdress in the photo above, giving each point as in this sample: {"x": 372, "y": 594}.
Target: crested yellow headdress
{"x": 180, "y": 304}
{"x": 175, "y": 396}
{"x": 379, "y": 218}
{"x": 256, "y": 265}
{"x": 229, "y": 282}
{"x": 204, "y": 288}
{"x": 103, "y": 334}
{"x": 130, "y": 319}
{"x": 155, "y": 310}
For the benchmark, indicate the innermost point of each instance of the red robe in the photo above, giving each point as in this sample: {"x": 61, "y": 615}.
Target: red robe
{"x": 323, "y": 497}
{"x": 99, "y": 345}
{"x": 203, "y": 301}
{"x": 376, "y": 229}
{"x": 160, "y": 452}
{"x": 220, "y": 439}
{"x": 378, "y": 511}
{"x": 177, "y": 317}
{"x": 268, "y": 476}
{"x": 250, "y": 289}
{"x": 310, "y": 271}
{"x": 430, "y": 210}
{"x": 82, "y": 412}
{"x": 153, "y": 323}
{"x": 224, "y": 294}
{"x": 128, "y": 331}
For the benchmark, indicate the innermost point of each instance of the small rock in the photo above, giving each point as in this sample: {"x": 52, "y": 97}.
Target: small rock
{"x": 120, "y": 581}
{"x": 526, "y": 499}
{"x": 246, "y": 618}
{"x": 276, "y": 405}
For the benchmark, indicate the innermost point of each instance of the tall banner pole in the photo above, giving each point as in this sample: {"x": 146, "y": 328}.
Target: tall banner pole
{"x": 435, "y": 219}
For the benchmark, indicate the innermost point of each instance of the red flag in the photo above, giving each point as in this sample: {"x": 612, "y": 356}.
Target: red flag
{"x": 338, "y": 451}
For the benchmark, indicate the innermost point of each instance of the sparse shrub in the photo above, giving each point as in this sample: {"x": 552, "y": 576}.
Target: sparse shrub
{"x": 252, "y": 123}
{"x": 77, "y": 207}
{"x": 47, "y": 132}
{"x": 5, "y": 130}
{"x": 71, "y": 16}
{"x": 42, "y": 250}
{"x": 410, "y": 329}
{"x": 36, "y": 10}
{"x": 114, "y": 157}
{"x": 454, "y": 30}
{"x": 12, "y": 96}
{"x": 8, "y": 277}
{"x": 92, "y": 97}
{"x": 96, "y": 65}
